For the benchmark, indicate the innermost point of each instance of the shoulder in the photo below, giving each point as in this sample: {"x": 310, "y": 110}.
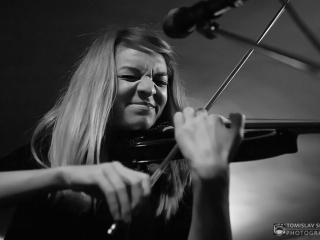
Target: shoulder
{"x": 21, "y": 159}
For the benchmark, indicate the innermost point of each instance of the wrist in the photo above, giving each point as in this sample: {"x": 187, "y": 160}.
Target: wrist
{"x": 215, "y": 189}
{"x": 61, "y": 178}
{"x": 208, "y": 172}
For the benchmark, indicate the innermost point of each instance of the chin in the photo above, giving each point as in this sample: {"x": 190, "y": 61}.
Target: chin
{"x": 141, "y": 124}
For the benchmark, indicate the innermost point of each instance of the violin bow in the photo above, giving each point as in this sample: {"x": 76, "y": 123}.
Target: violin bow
{"x": 156, "y": 175}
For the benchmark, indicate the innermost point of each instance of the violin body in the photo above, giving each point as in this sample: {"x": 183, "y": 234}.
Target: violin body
{"x": 262, "y": 139}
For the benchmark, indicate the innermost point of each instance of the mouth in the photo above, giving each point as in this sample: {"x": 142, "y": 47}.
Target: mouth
{"x": 144, "y": 104}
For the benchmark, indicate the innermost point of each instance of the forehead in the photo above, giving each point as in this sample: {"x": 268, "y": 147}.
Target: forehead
{"x": 143, "y": 61}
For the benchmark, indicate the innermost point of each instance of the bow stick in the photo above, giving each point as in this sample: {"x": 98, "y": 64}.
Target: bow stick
{"x": 155, "y": 176}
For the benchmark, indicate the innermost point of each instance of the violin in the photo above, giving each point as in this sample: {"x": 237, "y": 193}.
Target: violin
{"x": 262, "y": 139}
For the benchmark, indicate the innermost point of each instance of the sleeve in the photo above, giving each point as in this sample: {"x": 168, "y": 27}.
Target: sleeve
{"x": 20, "y": 159}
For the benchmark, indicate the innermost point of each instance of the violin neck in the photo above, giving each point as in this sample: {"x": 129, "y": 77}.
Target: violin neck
{"x": 294, "y": 126}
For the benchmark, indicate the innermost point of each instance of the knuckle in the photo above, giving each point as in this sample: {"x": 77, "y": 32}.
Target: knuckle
{"x": 106, "y": 167}
{"x": 201, "y": 112}
{"x": 178, "y": 114}
{"x": 120, "y": 187}
{"x": 145, "y": 177}
{"x": 117, "y": 164}
{"x": 135, "y": 182}
{"x": 188, "y": 110}
{"x": 215, "y": 116}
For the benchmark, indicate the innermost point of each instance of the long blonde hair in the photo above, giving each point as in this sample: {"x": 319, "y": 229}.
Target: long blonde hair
{"x": 77, "y": 123}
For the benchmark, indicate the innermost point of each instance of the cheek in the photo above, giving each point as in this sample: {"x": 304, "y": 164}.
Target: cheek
{"x": 124, "y": 89}
{"x": 162, "y": 97}
{"x": 123, "y": 94}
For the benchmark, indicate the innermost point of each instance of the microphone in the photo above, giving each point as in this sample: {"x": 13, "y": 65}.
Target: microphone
{"x": 181, "y": 22}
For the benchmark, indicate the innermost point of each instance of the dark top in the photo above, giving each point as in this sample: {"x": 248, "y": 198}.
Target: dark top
{"x": 37, "y": 219}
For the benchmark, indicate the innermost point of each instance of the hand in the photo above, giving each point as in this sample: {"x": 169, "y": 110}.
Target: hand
{"x": 206, "y": 143}
{"x": 124, "y": 189}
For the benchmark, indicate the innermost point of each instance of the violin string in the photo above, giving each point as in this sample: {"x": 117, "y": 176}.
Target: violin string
{"x": 155, "y": 176}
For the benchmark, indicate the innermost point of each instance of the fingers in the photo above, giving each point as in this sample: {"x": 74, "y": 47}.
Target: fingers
{"x": 117, "y": 197}
{"x": 178, "y": 119}
{"x": 189, "y": 125}
{"x": 225, "y": 121}
{"x": 237, "y": 121}
{"x": 187, "y": 114}
{"x": 139, "y": 183}
{"x": 201, "y": 136}
{"x": 124, "y": 189}
{"x": 201, "y": 111}
{"x": 181, "y": 117}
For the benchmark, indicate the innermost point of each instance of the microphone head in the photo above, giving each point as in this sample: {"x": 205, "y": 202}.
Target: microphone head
{"x": 179, "y": 23}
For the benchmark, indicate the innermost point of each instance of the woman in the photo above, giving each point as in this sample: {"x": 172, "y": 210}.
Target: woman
{"x": 126, "y": 83}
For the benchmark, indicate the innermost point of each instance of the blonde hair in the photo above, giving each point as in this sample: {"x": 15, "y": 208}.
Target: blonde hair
{"x": 77, "y": 123}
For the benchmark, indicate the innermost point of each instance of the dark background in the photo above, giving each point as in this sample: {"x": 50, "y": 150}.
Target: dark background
{"x": 42, "y": 40}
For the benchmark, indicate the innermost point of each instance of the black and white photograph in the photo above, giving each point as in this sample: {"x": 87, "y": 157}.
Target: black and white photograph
{"x": 158, "y": 119}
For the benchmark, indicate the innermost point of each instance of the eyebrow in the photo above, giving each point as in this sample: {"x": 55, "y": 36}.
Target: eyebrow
{"x": 133, "y": 69}
{"x": 161, "y": 74}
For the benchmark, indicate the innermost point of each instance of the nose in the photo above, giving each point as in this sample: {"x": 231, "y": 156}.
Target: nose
{"x": 146, "y": 87}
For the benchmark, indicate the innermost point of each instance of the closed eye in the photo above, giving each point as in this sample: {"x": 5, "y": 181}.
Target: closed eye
{"x": 161, "y": 80}
{"x": 129, "y": 78}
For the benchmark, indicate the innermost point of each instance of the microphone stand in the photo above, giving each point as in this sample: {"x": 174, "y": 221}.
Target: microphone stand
{"x": 303, "y": 27}
{"x": 210, "y": 29}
